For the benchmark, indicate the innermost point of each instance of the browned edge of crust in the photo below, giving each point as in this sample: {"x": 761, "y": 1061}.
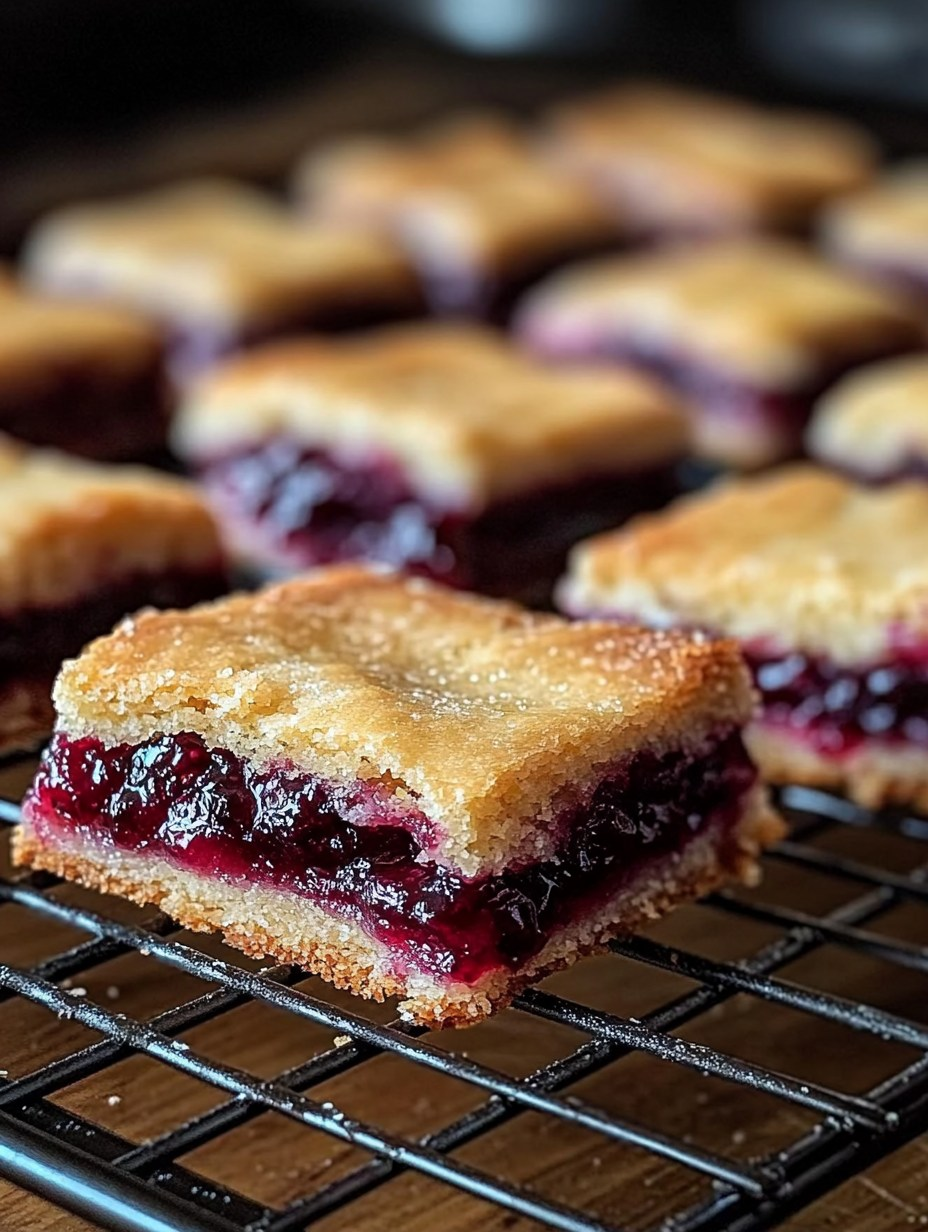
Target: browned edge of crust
{"x": 345, "y": 956}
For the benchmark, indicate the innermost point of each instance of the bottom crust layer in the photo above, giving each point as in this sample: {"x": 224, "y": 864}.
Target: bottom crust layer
{"x": 874, "y": 775}
{"x": 262, "y": 921}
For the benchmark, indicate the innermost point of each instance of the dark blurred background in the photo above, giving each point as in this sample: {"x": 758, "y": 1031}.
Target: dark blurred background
{"x": 102, "y": 95}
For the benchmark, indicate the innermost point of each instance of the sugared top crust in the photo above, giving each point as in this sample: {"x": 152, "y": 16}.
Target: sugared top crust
{"x": 469, "y": 190}
{"x": 467, "y": 415}
{"x": 875, "y": 421}
{"x": 886, "y": 222}
{"x": 38, "y": 333}
{"x": 765, "y": 310}
{"x": 674, "y": 159}
{"x": 799, "y": 558}
{"x": 491, "y": 717}
{"x": 213, "y": 250}
{"x": 68, "y": 526}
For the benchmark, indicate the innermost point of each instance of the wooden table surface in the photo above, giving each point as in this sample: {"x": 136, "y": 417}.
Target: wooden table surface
{"x": 273, "y": 1159}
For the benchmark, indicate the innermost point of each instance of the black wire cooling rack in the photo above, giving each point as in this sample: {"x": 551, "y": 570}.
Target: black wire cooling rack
{"x": 127, "y": 1185}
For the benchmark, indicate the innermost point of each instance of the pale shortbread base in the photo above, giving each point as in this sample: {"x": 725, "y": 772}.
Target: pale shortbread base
{"x": 263, "y": 921}
{"x": 876, "y": 775}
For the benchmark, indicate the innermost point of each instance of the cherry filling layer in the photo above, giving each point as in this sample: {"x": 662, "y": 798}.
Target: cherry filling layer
{"x": 837, "y": 708}
{"x": 196, "y": 343}
{"x": 113, "y": 414}
{"x": 912, "y": 466}
{"x": 355, "y": 852}
{"x": 718, "y": 394}
{"x": 907, "y": 276}
{"x": 453, "y": 288}
{"x": 35, "y": 640}
{"x": 306, "y": 507}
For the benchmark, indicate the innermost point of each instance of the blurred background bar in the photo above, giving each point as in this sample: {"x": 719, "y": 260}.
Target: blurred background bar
{"x": 91, "y": 91}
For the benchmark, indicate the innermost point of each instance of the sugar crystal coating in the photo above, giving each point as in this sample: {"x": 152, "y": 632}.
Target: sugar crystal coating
{"x": 486, "y": 713}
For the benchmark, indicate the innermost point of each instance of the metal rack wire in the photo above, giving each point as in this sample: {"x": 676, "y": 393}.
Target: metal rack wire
{"x": 124, "y": 1185}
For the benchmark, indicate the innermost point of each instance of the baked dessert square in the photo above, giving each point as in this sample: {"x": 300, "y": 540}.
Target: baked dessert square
{"x": 86, "y": 378}
{"x": 882, "y": 229}
{"x": 220, "y": 265}
{"x": 825, "y": 585}
{"x": 405, "y": 790}
{"x": 81, "y": 545}
{"x": 478, "y": 211}
{"x": 749, "y": 331}
{"x": 677, "y": 162}
{"x": 438, "y": 449}
{"x": 873, "y": 425}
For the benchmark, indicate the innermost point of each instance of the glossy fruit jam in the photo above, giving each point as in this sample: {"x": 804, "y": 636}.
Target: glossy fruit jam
{"x": 35, "y": 640}
{"x": 310, "y": 508}
{"x": 209, "y": 811}
{"x": 837, "y": 707}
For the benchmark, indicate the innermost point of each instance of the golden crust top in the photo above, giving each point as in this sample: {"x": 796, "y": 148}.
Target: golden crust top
{"x": 68, "y": 525}
{"x": 470, "y": 189}
{"x": 37, "y": 331}
{"x": 874, "y": 422}
{"x": 469, "y": 416}
{"x": 799, "y": 557}
{"x": 887, "y": 220}
{"x": 213, "y": 250}
{"x": 490, "y": 716}
{"x": 764, "y": 309}
{"x": 676, "y": 158}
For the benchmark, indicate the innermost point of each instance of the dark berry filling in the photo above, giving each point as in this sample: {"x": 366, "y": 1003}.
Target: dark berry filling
{"x": 722, "y": 396}
{"x": 837, "y": 708}
{"x": 453, "y": 289}
{"x": 913, "y": 466}
{"x": 310, "y": 509}
{"x": 112, "y": 415}
{"x": 717, "y": 394}
{"x": 197, "y": 345}
{"x": 906, "y": 276}
{"x": 35, "y": 640}
{"x": 353, "y": 849}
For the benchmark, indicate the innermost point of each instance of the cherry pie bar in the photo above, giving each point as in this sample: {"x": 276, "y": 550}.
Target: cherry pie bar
{"x": 882, "y": 230}
{"x": 438, "y": 449}
{"x": 749, "y": 331}
{"x": 86, "y": 378}
{"x": 825, "y": 585}
{"x": 873, "y": 425}
{"x": 682, "y": 163}
{"x": 220, "y": 265}
{"x": 80, "y": 546}
{"x": 479, "y": 213}
{"x": 405, "y": 790}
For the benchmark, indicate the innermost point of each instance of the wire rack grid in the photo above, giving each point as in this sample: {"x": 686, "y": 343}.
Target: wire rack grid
{"x": 143, "y": 1185}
